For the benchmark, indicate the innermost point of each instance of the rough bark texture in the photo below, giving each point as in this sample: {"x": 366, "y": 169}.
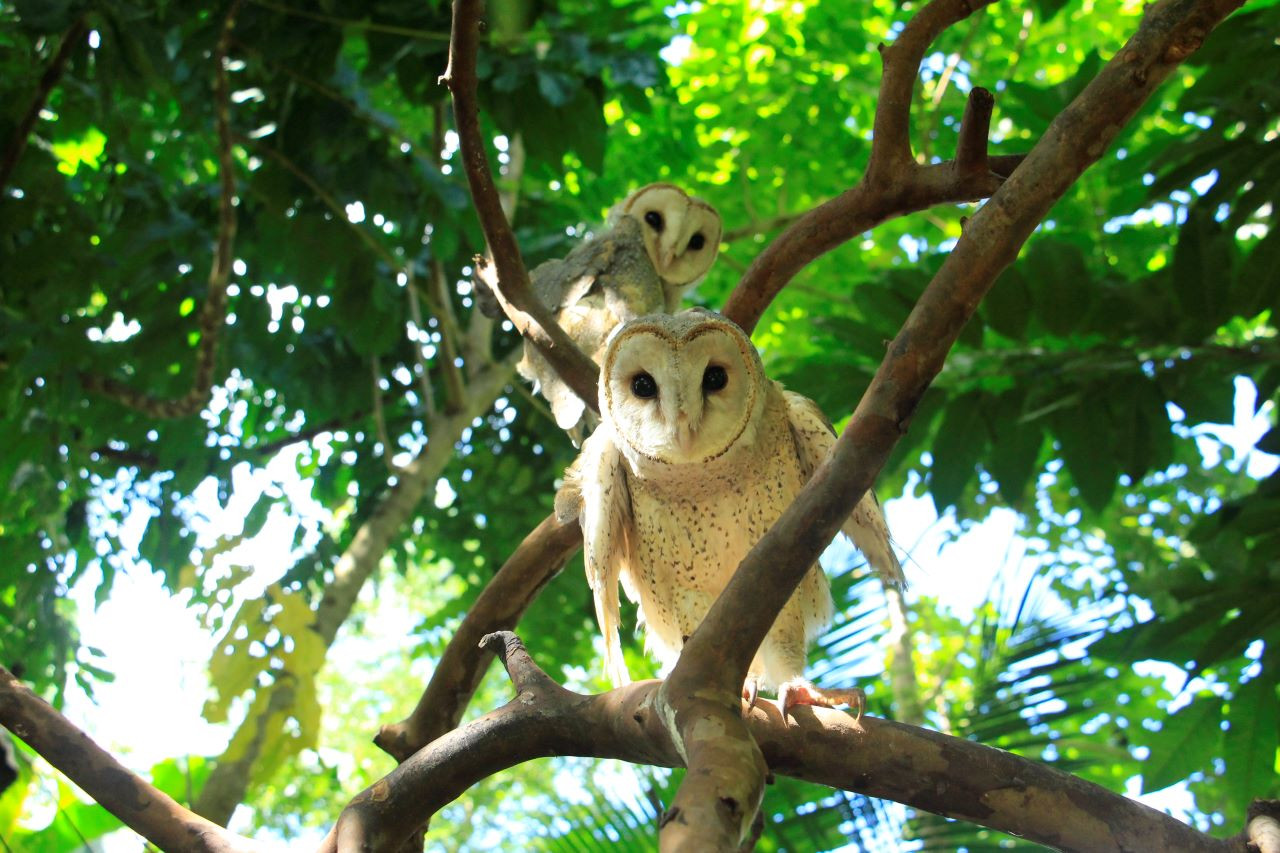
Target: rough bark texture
{"x": 149, "y": 812}
{"x": 945, "y": 775}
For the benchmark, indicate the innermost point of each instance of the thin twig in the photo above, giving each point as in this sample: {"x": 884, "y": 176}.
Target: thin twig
{"x": 213, "y": 313}
{"x": 371, "y": 26}
{"x": 148, "y": 811}
{"x": 379, "y": 420}
{"x": 71, "y": 39}
{"x": 894, "y": 184}
{"x": 526, "y": 312}
{"x": 327, "y": 199}
{"x": 415, "y": 314}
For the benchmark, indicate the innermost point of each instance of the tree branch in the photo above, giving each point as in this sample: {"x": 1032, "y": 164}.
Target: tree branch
{"x": 71, "y": 39}
{"x": 213, "y": 313}
{"x": 699, "y": 699}
{"x": 144, "y": 808}
{"x": 923, "y": 769}
{"x": 1262, "y": 832}
{"x": 228, "y": 782}
{"x": 894, "y": 184}
{"x": 530, "y": 567}
{"x": 530, "y": 317}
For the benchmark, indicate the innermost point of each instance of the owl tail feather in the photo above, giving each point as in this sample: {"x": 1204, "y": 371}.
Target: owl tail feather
{"x": 867, "y": 528}
{"x": 607, "y": 614}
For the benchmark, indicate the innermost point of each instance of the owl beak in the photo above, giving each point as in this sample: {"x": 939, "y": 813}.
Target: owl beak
{"x": 685, "y": 432}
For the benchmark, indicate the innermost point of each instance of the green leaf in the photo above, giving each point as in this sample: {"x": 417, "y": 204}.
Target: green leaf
{"x": 45, "y": 16}
{"x": 1250, "y": 745}
{"x": 1202, "y": 270}
{"x": 957, "y": 447}
{"x": 1015, "y": 446}
{"x": 1059, "y": 283}
{"x": 1007, "y": 308}
{"x": 1259, "y": 285}
{"x": 1184, "y": 745}
{"x": 1270, "y": 442}
{"x": 1081, "y": 430}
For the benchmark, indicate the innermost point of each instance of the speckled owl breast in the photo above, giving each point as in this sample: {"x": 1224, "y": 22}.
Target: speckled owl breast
{"x": 696, "y": 521}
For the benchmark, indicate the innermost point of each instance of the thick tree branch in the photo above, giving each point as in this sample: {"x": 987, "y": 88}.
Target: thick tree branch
{"x": 530, "y": 567}
{"x": 530, "y": 317}
{"x": 213, "y": 313}
{"x": 945, "y": 775}
{"x": 71, "y": 39}
{"x": 894, "y": 184}
{"x": 1262, "y": 832}
{"x": 147, "y": 810}
{"x": 700, "y": 696}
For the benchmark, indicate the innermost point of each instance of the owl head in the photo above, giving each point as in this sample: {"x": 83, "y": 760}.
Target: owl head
{"x": 681, "y": 232}
{"x": 681, "y": 388}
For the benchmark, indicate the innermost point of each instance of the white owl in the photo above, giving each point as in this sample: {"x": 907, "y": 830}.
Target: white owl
{"x": 697, "y": 455}
{"x": 656, "y": 243}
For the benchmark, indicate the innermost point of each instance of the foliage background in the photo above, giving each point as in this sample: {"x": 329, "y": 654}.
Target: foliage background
{"x": 1088, "y": 396}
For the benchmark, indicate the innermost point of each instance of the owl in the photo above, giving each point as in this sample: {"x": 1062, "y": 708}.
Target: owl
{"x": 697, "y": 455}
{"x": 657, "y": 242}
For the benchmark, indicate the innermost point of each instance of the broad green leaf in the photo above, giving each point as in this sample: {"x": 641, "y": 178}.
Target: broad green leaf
{"x": 1080, "y": 430}
{"x": 1184, "y": 745}
{"x": 1251, "y": 742}
{"x": 957, "y": 446}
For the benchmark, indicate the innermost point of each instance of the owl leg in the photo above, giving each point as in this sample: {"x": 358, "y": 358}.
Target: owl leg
{"x": 801, "y": 692}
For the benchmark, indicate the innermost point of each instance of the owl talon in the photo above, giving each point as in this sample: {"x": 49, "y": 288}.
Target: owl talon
{"x": 801, "y": 692}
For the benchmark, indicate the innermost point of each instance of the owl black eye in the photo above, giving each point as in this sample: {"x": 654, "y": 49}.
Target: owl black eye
{"x": 644, "y": 386}
{"x": 697, "y": 241}
{"x": 654, "y": 220}
{"x": 714, "y": 378}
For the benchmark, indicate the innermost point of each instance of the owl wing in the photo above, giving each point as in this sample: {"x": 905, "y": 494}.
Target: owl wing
{"x": 595, "y": 492}
{"x": 814, "y": 438}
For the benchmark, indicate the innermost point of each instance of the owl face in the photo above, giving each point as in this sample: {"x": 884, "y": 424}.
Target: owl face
{"x": 682, "y": 388}
{"x": 681, "y": 232}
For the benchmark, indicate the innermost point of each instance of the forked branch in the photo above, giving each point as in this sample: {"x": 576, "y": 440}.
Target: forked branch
{"x": 530, "y": 317}
{"x": 924, "y": 769}
{"x": 530, "y": 567}
{"x": 894, "y": 183}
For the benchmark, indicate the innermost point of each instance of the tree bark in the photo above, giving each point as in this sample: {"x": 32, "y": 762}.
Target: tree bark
{"x": 924, "y": 769}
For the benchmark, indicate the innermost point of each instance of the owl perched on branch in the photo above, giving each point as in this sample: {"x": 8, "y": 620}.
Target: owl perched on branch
{"x": 697, "y": 455}
{"x": 656, "y": 243}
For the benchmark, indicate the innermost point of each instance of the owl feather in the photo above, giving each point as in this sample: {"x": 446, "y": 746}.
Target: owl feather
{"x": 697, "y": 455}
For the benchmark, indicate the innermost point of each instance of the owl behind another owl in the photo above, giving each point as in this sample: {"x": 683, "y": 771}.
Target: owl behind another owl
{"x": 697, "y": 455}
{"x": 656, "y": 243}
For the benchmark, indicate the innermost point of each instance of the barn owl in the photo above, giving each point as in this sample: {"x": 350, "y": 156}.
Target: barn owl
{"x": 657, "y": 242}
{"x": 696, "y": 456}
